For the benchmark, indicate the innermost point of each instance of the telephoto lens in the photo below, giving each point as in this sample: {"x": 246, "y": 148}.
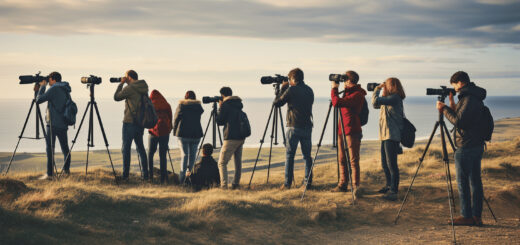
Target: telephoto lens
{"x": 443, "y": 91}
{"x": 28, "y": 79}
{"x": 338, "y": 78}
{"x": 275, "y": 79}
{"x": 115, "y": 79}
{"x": 91, "y": 80}
{"x": 372, "y": 86}
{"x": 209, "y": 99}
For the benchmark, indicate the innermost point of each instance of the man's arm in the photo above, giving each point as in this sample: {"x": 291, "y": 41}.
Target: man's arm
{"x": 42, "y": 95}
{"x": 467, "y": 113}
{"x": 222, "y": 114}
{"x": 283, "y": 96}
{"x": 347, "y": 101}
{"x": 121, "y": 93}
{"x": 178, "y": 116}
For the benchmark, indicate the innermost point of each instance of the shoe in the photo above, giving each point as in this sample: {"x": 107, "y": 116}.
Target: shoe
{"x": 384, "y": 190}
{"x": 235, "y": 186}
{"x": 463, "y": 221}
{"x": 66, "y": 172}
{"x": 45, "y": 177}
{"x": 390, "y": 196}
{"x": 478, "y": 221}
{"x": 358, "y": 191}
{"x": 340, "y": 188}
{"x": 284, "y": 187}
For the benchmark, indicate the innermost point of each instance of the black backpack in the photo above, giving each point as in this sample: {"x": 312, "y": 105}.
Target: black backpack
{"x": 486, "y": 124}
{"x": 244, "y": 126}
{"x": 148, "y": 116}
{"x": 408, "y": 133}
{"x": 363, "y": 115}
{"x": 70, "y": 111}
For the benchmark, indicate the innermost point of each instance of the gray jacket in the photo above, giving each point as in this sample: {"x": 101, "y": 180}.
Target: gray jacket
{"x": 391, "y": 115}
{"x": 56, "y": 96}
{"x": 299, "y": 101}
{"x": 132, "y": 94}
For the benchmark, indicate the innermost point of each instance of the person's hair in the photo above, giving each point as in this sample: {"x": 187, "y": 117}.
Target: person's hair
{"x": 395, "y": 87}
{"x": 190, "y": 95}
{"x": 132, "y": 74}
{"x": 460, "y": 76}
{"x": 207, "y": 149}
{"x": 297, "y": 74}
{"x": 56, "y": 76}
{"x": 352, "y": 76}
{"x": 226, "y": 91}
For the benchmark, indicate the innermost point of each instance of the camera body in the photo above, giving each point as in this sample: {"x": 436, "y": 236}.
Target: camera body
{"x": 441, "y": 92}
{"x": 211, "y": 99}
{"x": 277, "y": 79}
{"x": 338, "y": 78}
{"x": 115, "y": 79}
{"x": 372, "y": 86}
{"x": 91, "y": 80}
{"x": 28, "y": 79}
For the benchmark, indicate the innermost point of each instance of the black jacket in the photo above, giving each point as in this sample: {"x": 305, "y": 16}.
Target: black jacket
{"x": 187, "y": 119}
{"x": 466, "y": 116}
{"x": 205, "y": 173}
{"x": 227, "y": 115}
{"x": 299, "y": 101}
{"x": 56, "y": 96}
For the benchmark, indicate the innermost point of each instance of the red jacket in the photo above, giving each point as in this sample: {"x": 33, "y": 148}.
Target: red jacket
{"x": 351, "y": 105}
{"x": 164, "y": 114}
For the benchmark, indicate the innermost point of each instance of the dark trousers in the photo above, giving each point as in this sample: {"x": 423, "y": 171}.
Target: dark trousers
{"x": 467, "y": 163}
{"x": 132, "y": 132}
{"x": 295, "y": 136}
{"x": 389, "y": 150}
{"x": 162, "y": 141}
{"x": 62, "y": 137}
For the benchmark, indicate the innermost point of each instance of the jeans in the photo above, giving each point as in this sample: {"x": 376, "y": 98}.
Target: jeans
{"x": 467, "y": 164}
{"x": 353, "y": 144}
{"x": 62, "y": 137}
{"x": 188, "y": 147}
{"x": 229, "y": 149}
{"x": 295, "y": 136}
{"x": 162, "y": 141}
{"x": 132, "y": 132}
{"x": 389, "y": 150}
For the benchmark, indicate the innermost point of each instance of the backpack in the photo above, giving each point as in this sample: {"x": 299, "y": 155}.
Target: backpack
{"x": 148, "y": 116}
{"x": 363, "y": 115}
{"x": 243, "y": 123}
{"x": 408, "y": 133}
{"x": 486, "y": 124}
{"x": 70, "y": 111}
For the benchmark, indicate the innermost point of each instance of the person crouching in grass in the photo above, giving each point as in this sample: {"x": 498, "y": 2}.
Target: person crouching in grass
{"x": 205, "y": 173}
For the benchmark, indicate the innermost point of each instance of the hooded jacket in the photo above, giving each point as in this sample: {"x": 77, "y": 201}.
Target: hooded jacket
{"x": 205, "y": 173}
{"x": 227, "y": 115}
{"x": 299, "y": 101}
{"x": 390, "y": 116}
{"x": 56, "y": 96}
{"x": 466, "y": 115}
{"x": 164, "y": 115}
{"x": 132, "y": 93}
{"x": 351, "y": 105}
{"x": 187, "y": 119}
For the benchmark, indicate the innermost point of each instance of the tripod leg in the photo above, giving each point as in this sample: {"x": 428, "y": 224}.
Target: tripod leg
{"x": 171, "y": 162}
{"x": 90, "y": 136}
{"x": 347, "y": 154}
{"x": 77, "y": 134}
{"x": 416, "y": 171}
{"x": 282, "y": 125}
{"x": 317, "y": 151}
{"x": 448, "y": 173}
{"x": 261, "y": 143}
{"x": 273, "y": 130}
{"x": 448, "y": 177}
{"x": 204, "y": 137}
{"x": 106, "y": 142}
{"x": 490, "y": 210}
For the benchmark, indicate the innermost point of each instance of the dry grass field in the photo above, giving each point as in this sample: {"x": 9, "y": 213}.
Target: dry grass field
{"x": 94, "y": 210}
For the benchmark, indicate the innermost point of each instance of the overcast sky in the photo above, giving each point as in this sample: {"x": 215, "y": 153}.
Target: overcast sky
{"x": 204, "y": 45}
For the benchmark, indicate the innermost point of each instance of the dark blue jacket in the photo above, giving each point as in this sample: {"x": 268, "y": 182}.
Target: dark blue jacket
{"x": 56, "y": 96}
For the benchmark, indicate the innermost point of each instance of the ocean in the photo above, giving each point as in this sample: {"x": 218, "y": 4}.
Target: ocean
{"x": 420, "y": 111}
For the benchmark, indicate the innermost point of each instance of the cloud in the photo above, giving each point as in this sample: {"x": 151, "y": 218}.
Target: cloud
{"x": 404, "y": 22}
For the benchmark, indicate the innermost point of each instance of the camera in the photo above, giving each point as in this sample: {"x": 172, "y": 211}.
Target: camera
{"x": 115, "y": 79}
{"x": 28, "y": 79}
{"x": 91, "y": 80}
{"x": 443, "y": 91}
{"x": 208, "y": 99}
{"x": 372, "y": 86}
{"x": 338, "y": 78}
{"x": 277, "y": 79}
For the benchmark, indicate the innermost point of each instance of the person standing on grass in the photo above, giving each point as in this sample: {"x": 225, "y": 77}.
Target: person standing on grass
{"x": 188, "y": 130}
{"x": 391, "y": 124}
{"x": 160, "y": 134}
{"x": 351, "y": 105}
{"x": 466, "y": 115}
{"x": 299, "y": 99}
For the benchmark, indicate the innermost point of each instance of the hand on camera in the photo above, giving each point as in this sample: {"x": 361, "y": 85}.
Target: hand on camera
{"x": 43, "y": 83}
{"x": 220, "y": 103}
{"x": 440, "y": 106}
{"x": 124, "y": 80}
{"x": 36, "y": 87}
{"x": 335, "y": 85}
{"x": 285, "y": 84}
{"x": 452, "y": 102}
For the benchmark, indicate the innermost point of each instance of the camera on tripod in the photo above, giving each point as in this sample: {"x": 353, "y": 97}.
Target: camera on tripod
{"x": 277, "y": 79}
{"x": 443, "y": 91}
{"x": 115, "y": 79}
{"x": 338, "y": 78}
{"x": 28, "y": 79}
{"x": 372, "y": 86}
{"x": 91, "y": 80}
{"x": 209, "y": 99}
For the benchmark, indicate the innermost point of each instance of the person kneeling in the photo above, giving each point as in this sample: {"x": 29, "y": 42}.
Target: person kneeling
{"x": 205, "y": 173}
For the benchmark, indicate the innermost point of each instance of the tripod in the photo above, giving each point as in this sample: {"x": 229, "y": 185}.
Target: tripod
{"x": 276, "y": 115}
{"x": 92, "y": 104}
{"x": 337, "y": 114}
{"x": 213, "y": 121}
{"x": 39, "y": 124}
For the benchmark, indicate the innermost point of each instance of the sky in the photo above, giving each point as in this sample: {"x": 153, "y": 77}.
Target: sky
{"x": 203, "y": 45}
